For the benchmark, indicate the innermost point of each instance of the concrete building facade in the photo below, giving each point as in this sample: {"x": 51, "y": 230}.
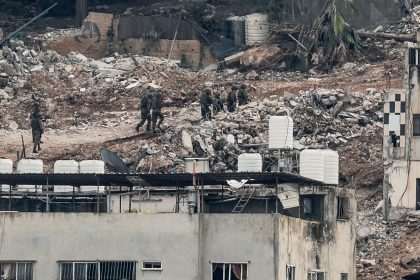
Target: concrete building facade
{"x": 186, "y": 246}
{"x": 402, "y": 138}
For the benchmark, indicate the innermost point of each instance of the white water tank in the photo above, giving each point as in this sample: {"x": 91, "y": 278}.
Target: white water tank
{"x": 280, "y": 132}
{"x": 30, "y": 166}
{"x": 65, "y": 167}
{"x": 92, "y": 166}
{"x": 250, "y": 162}
{"x": 331, "y": 167}
{"x": 321, "y": 165}
{"x": 6, "y": 167}
{"x": 256, "y": 29}
{"x": 312, "y": 164}
{"x": 197, "y": 165}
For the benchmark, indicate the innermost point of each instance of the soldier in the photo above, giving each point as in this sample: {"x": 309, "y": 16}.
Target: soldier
{"x": 231, "y": 99}
{"x": 145, "y": 106}
{"x": 157, "y": 104}
{"x": 37, "y": 130}
{"x": 217, "y": 104}
{"x": 35, "y": 111}
{"x": 243, "y": 96}
{"x": 206, "y": 101}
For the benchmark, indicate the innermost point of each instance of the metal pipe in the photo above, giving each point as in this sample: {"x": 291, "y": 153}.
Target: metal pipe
{"x": 48, "y": 198}
{"x": 173, "y": 41}
{"x": 97, "y": 197}
{"x": 26, "y": 24}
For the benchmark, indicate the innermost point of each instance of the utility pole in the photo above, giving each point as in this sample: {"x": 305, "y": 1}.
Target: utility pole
{"x": 81, "y": 11}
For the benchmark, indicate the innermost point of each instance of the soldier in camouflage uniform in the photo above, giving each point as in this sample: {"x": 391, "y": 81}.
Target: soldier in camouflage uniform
{"x": 145, "y": 106}
{"x": 205, "y": 102}
{"x": 157, "y": 104}
{"x": 231, "y": 99}
{"x": 242, "y": 95}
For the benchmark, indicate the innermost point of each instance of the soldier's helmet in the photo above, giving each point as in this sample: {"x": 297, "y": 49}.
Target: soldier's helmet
{"x": 234, "y": 87}
{"x": 207, "y": 90}
{"x": 243, "y": 86}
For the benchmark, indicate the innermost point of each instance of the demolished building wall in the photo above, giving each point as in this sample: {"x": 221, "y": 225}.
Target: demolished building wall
{"x": 401, "y": 139}
{"x": 102, "y": 33}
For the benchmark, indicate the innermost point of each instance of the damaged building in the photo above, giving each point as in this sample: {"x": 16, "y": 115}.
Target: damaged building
{"x": 401, "y": 139}
{"x": 83, "y": 223}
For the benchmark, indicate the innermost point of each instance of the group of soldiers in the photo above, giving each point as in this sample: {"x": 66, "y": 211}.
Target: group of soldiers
{"x": 234, "y": 97}
{"x": 151, "y": 109}
{"x": 151, "y": 105}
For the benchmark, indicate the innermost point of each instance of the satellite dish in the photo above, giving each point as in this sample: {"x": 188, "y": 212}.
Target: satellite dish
{"x": 114, "y": 161}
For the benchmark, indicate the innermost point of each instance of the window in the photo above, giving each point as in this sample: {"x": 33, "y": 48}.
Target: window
{"x": 229, "y": 271}
{"x": 97, "y": 270}
{"x": 412, "y": 56}
{"x": 343, "y": 212}
{"x": 16, "y": 271}
{"x": 312, "y": 207}
{"x": 316, "y": 275}
{"x": 416, "y": 125}
{"x": 152, "y": 266}
{"x": 290, "y": 272}
{"x": 344, "y": 276}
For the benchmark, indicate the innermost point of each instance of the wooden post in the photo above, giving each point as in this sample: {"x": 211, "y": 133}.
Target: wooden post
{"x": 81, "y": 11}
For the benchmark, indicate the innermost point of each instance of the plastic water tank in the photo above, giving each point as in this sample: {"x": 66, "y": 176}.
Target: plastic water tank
{"x": 30, "y": 166}
{"x": 92, "y": 166}
{"x": 256, "y": 29}
{"x": 280, "y": 132}
{"x": 250, "y": 162}
{"x": 6, "y": 167}
{"x": 312, "y": 164}
{"x": 331, "y": 167}
{"x": 65, "y": 167}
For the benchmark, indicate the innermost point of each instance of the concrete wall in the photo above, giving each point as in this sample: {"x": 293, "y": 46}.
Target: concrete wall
{"x": 402, "y": 164}
{"x": 196, "y": 53}
{"x": 403, "y": 192}
{"x": 301, "y": 244}
{"x": 156, "y": 204}
{"x": 48, "y": 238}
{"x": 185, "y": 244}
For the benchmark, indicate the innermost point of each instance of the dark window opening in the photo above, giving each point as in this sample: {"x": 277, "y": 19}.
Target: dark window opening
{"x": 316, "y": 275}
{"x": 312, "y": 207}
{"x": 343, "y": 208}
{"x": 412, "y": 56}
{"x": 290, "y": 272}
{"x": 416, "y": 125}
{"x": 152, "y": 266}
{"x": 344, "y": 276}
{"x": 227, "y": 271}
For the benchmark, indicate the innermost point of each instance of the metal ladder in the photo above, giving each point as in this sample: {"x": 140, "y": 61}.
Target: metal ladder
{"x": 243, "y": 201}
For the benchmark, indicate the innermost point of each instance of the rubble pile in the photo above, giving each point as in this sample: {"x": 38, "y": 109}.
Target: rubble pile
{"x": 322, "y": 118}
{"x": 387, "y": 250}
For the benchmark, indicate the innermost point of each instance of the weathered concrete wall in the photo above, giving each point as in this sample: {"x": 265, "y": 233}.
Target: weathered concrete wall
{"x": 245, "y": 238}
{"x": 302, "y": 244}
{"x": 156, "y": 204}
{"x": 403, "y": 191}
{"x": 48, "y": 238}
{"x": 373, "y": 12}
{"x": 195, "y": 52}
{"x": 185, "y": 244}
